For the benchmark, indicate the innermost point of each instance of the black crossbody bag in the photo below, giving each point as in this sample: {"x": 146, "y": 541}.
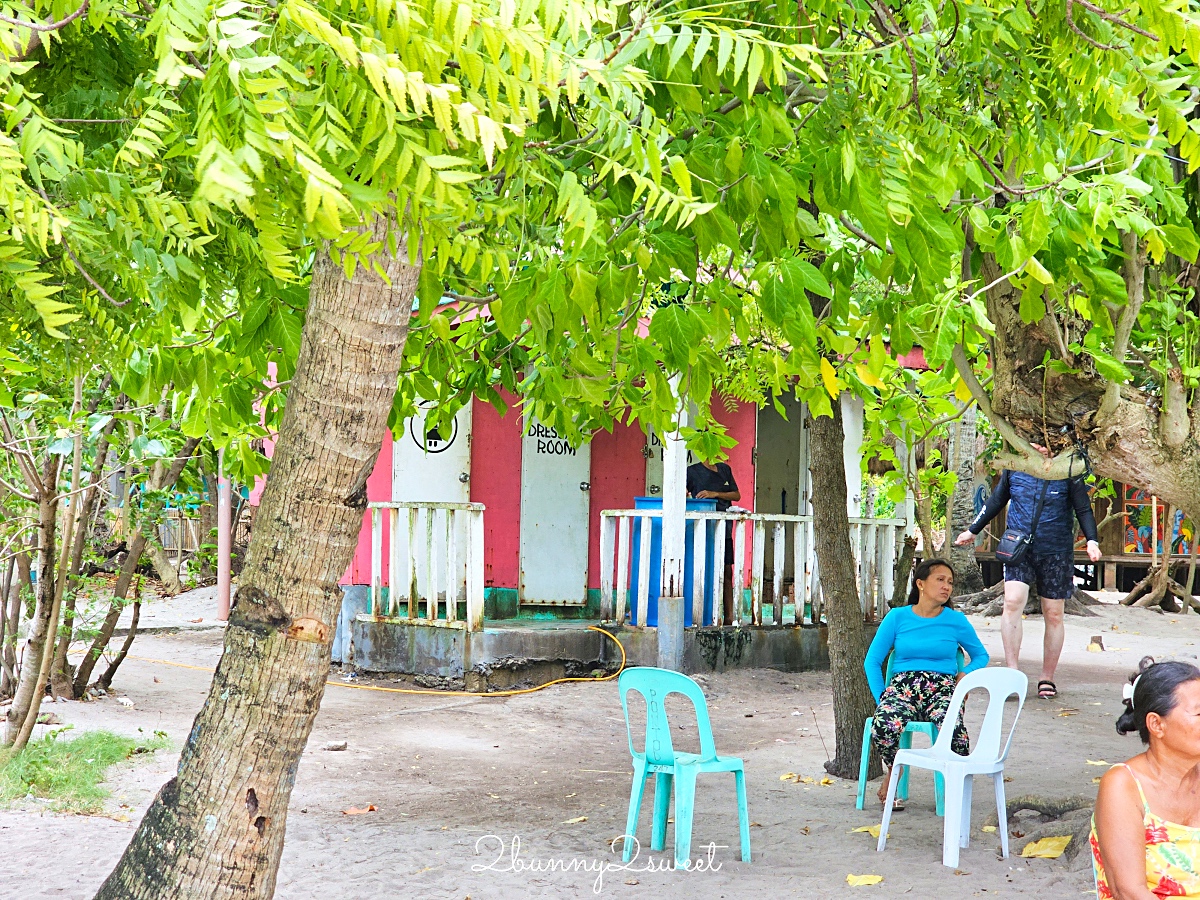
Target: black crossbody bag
{"x": 1014, "y": 544}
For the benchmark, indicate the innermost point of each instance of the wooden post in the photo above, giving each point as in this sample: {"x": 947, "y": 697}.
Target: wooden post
{"x": 1154, "y": 532}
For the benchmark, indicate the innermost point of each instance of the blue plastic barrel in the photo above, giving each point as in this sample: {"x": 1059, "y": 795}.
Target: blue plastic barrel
{"x": 656, "y": 561}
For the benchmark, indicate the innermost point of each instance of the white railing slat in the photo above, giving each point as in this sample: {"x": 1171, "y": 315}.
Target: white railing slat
{"x": 475, "y": 572}
{"x": 739, "y": 568}
{"x": 624, "y": 525}
{"x": 643, "y": 597}
{"x": 699, "y": 560}
{"x": 608, "y": 535}
{"x": 393, "y": 561}
{"x": 376, "y": 562}
{"x": 757, "y": 563}
{"x": 451, "y": 567}
{"x": 777, "y": 574}
{"x": 719, "y": 573}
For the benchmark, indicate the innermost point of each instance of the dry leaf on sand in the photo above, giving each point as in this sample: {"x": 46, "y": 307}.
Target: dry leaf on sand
{"x": 1047, "y": 848}
{"x": 863, "y": 880}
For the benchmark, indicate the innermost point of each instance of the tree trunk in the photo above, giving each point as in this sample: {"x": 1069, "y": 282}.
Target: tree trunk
{"x": 852, "y": 700}
{"x": 104, "y": 682}
{"x": 208, "y": 526}
{"x": 160, "y": 477}
{"x": 968, "y": 579}
{"x": 14, "y": 601}
{"x": 161, "y": 561}
{"x": 904, "y": 567}
{"x": 83, "y": 672}
{"x": 61, "y": 673}
{"x": 39, "y": 625}
{"x": 216, "y": 829}
{"x": 8, "y": 633}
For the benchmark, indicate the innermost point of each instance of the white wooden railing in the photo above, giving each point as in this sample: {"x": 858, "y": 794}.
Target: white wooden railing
{"x": 875, "y": 543}
{"x": 435, "y": 560}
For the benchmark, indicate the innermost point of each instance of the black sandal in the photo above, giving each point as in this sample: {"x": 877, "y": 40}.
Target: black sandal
{"x": 1047, "y": 690}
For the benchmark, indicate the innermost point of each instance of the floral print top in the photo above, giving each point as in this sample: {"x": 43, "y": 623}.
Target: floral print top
{"x": 1172, "y": 856}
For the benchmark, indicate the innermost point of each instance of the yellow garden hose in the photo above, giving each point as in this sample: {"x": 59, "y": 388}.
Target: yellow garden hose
{"x": 391, "y": 690}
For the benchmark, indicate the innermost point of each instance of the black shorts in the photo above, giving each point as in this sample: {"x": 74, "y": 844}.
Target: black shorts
{"x": 1052, "y": 574}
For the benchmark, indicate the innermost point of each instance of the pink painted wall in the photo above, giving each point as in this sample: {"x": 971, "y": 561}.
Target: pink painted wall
{"x": 914, "y": 359}
{"x": 496, "y": 483}
{"x": 618, "y": 475}
{"x": 379, "y": 488}
{"x": 742, "y": 425}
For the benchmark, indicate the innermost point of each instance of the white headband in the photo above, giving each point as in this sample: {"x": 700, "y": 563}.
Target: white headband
{"x": 1129, "y": 688}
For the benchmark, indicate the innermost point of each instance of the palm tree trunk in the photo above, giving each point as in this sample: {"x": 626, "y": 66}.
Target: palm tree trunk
{"x": 216, "y": 829}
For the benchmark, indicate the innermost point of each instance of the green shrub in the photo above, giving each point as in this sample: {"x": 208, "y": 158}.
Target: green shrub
{"x": 69, "y": 772}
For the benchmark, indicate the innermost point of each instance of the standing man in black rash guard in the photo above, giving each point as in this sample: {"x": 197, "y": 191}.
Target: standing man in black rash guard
{"x": 1050, "y": 561}
{"x": 714, "y": 481}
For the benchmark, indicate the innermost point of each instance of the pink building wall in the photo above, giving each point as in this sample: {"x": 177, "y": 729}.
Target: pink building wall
{"x": 618, "y": 475}
{"x": 496, "y": 483}
{"x": 379, "y": 488}
{"x": 741, "y": 424}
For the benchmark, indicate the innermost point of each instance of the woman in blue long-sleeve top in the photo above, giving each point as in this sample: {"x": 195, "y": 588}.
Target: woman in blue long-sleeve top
{"x": 924, "y": 638}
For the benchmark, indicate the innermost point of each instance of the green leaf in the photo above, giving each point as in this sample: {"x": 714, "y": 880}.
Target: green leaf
{"x": 678, "y": 330}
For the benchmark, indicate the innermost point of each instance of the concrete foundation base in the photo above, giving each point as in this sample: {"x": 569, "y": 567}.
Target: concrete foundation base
{"x": 521, "y": 653}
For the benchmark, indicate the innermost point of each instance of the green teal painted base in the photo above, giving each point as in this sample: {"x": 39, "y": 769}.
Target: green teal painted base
{"x": 504, "y": 603}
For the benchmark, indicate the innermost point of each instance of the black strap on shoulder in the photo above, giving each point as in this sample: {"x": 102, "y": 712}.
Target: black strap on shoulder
{"x": 1037, "y": 510}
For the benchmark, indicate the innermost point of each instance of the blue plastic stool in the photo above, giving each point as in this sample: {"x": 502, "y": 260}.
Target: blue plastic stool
{"x": 673, "y": 770}
{"x": 939, "y": 784}
{"x": 939, "y": 787}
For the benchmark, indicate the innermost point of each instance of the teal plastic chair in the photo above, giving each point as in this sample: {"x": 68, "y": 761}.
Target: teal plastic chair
{"x": 673, "y": 770}
{"x": 939, "y": 785}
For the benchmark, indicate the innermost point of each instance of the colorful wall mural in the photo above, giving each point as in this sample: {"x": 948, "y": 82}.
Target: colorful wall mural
{"x": 1140, "y": 521}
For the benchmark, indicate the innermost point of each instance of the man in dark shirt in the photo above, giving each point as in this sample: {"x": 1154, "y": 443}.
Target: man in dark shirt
{"x": 714, "y": 481}
{"x": 1049, "y": 562}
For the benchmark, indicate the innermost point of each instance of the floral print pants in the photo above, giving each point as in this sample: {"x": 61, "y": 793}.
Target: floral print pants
{"x": 915, "y": 697}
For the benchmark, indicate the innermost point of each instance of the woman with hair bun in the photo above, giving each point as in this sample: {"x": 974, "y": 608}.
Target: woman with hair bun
{"x": 1146, "y": 828}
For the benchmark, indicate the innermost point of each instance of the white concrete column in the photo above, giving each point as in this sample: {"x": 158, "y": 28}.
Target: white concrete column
{"x": 224, "y": 539}
{"x": 852, "y": 441}
{"x": 671, "y": 600}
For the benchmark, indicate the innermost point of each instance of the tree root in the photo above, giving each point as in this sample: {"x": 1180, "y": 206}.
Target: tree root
{"x": 1159, "y": 589}
{"x": 990, "y": 603}
{"x": 1065, "y": 816}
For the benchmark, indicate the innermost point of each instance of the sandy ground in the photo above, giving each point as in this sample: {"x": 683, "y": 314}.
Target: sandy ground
{"x": 458, "y": 781}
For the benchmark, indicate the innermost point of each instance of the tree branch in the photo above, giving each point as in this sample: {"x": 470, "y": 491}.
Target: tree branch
{"x": 862, "y": 235}
{"x": 1114, "y": 18}
{"x": 1173, "y": 422}
{"x": 50, "y": 26}
{"x": 89, "y": 279}
{"x": 1027, "y": 458}
{"x": 26, "y": 465}
{"x": 1133, "y": 273}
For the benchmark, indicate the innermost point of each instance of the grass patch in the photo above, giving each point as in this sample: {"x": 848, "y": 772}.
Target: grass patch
{"x": 69, "y": 771}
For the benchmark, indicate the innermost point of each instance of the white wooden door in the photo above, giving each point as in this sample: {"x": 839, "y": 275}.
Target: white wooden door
{"x": 432, "y": 465}
{"x": 555, "y": 503}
